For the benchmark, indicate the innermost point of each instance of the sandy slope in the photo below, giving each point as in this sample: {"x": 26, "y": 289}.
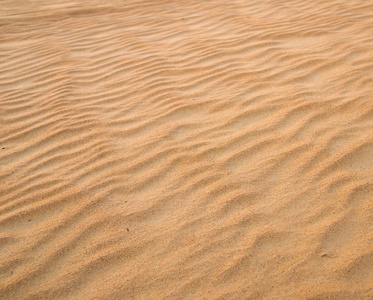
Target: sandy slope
{"x": 186, "y": 149}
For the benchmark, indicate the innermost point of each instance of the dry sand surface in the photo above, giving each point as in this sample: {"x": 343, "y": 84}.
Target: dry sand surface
{"x": 186, "y": 149}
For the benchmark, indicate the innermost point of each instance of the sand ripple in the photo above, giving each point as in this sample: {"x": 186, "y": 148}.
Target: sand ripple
{"x": 186, "y": 149}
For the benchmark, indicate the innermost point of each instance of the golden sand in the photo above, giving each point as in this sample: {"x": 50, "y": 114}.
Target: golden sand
{"x": 186, "y": 149}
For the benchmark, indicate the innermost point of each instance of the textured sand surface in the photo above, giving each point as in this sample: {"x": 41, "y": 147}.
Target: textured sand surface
{"x": 186, "y": 149}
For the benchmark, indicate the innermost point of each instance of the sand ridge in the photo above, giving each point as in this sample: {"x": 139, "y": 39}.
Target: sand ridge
{"x": 186, "y": 150}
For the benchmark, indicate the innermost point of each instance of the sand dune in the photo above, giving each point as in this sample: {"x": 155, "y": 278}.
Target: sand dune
{"x": 186, "y": 149}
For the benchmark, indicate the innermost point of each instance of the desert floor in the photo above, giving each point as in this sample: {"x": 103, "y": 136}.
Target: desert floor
{"x": 186, "y": 149}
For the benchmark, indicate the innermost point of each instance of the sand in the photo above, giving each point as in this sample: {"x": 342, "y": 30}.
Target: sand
{"x": 186, "y": 149}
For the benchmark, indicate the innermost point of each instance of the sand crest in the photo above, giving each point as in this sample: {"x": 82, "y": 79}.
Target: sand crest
{"x": 186, "y": 149}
